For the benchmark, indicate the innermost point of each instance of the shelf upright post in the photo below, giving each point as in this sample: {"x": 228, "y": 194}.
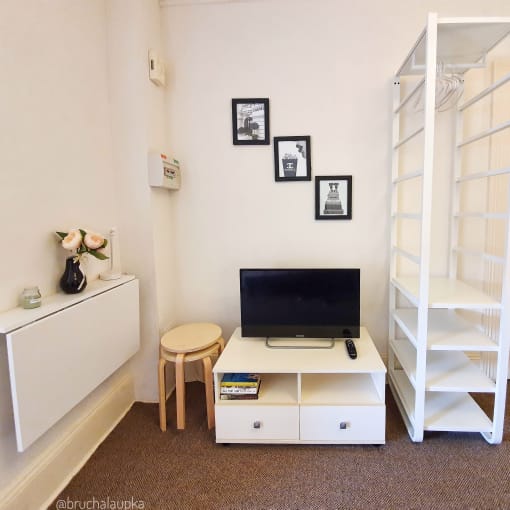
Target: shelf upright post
{"x": 503, "y": 341}
{"x": 502, "y": 366}
{"x": 455, "y": 190}
{"x": 424, "y": 275}
{"x": 393, "y": 216}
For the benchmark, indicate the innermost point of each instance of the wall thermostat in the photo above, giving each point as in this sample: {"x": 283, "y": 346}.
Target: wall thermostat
{"x": 156, "y": 69}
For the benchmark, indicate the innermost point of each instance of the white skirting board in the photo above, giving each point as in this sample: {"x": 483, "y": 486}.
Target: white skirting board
{"x": 58, "y": 359}
{"x": 48, "y": 474}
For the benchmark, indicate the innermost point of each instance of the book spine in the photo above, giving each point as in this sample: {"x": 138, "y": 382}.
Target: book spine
{"x": 234, "y": 379}
{"x": 238, "y": 389}
{"x": 253, "y": 384}
{"x": 249, "y": 396}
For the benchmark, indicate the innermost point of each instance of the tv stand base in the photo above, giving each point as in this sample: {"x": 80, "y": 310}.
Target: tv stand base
{"x": 304, "y": 343}
{"x": 306, "y": 396}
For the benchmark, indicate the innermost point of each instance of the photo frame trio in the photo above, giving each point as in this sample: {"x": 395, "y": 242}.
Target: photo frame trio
{"x": 292, "y": 158}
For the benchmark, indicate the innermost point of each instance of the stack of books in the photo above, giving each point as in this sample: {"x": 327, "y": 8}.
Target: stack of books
{"x": 240, "y": 386}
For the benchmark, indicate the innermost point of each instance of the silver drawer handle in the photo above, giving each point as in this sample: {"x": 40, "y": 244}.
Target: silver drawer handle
{"x": 257, "y": 424}
{"x": 344, "y": 425}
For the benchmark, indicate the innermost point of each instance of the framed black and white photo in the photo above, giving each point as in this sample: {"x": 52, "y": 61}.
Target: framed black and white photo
{"x": 250, "y": 121}
{"x": 333, "y": 197}
{"x": 292, "y": 158}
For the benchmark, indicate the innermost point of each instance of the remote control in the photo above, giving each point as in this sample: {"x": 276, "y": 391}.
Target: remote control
{"x": 351, "y": 348}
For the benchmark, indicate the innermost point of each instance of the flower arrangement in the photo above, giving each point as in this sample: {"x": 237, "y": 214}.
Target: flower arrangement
{"x": 83, "y": 242}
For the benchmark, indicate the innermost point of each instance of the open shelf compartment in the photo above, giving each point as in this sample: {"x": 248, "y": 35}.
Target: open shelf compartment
{"x": 455, "y": 412}
{"x": 280, "y": 389}
{"x": 445, "y": 293}
{"x": 447, "y": 331}
{"x": 444, "y": 411}
{"x": 446, "y": 371}
{"x": 340, "y": 389}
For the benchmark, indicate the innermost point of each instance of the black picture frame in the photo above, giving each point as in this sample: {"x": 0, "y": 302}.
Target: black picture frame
{"x": 330, "y": 189}
{"x": 292, "y": 158}
{"x": 250, "y": 121}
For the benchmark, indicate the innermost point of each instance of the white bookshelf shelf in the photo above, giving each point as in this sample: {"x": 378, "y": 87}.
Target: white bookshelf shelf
{"x": 461, "y": 43}
{"x": 446, "y": 331}
{"x": 448, "y": 412}
{"x": 446, "y": 293}
{"x": 446, "y": 371}
{"x": 456, "y": 412}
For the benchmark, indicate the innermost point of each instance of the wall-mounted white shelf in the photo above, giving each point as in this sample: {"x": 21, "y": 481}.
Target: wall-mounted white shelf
{"x": 60, "y": 352}
{"x": 18, "y": 317}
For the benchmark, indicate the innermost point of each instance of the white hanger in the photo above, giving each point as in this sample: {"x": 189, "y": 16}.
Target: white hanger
{"x": 449, "y": 89}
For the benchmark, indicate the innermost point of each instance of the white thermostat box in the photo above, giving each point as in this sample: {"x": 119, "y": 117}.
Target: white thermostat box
{"x": 164, "y": 171}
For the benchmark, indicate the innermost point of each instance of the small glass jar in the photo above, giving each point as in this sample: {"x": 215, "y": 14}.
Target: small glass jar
{"x": 30, "y": 297}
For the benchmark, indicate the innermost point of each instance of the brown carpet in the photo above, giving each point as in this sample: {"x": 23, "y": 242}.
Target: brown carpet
{"x": 188, "y": 470}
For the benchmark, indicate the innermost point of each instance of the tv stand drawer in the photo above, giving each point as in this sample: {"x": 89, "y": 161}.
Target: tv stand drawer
{"x": 256, "y": 422}
{"x": 343, "y": 423}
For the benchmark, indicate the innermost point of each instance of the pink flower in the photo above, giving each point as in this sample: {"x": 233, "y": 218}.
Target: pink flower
{"x": 93, "y": 241}
{"x": 83, "y": 243}
{"x": 72, "y": 240}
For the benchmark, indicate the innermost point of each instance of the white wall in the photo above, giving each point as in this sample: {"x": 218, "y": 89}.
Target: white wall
{"x": 55, "y": 151}
{"x": 55, "y": 167}
{"x": 145, "y": 224}
{"x": 327, "y": 68}
{"x": 78, "y": 115}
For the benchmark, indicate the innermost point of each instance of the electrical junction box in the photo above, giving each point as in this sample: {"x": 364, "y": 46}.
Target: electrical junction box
{"x": 164, "y": 171}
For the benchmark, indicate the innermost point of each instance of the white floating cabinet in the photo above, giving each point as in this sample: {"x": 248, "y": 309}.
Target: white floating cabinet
{"x": 449, "y": 324}
{"x": 60, "y": 352}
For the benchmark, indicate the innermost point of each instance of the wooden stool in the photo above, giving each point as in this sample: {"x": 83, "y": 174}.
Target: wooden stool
{"x": 180, "y": 345}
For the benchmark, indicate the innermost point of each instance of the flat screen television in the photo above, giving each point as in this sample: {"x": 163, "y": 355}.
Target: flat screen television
{"x": 300, "y": 303}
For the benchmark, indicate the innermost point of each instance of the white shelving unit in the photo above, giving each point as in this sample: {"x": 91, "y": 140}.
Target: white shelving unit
{"x": 305, "y": 396}
{"x": 450, "y": 279}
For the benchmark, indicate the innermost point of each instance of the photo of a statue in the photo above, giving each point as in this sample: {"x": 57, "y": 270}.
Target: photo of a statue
{"x": 333, "y": 203}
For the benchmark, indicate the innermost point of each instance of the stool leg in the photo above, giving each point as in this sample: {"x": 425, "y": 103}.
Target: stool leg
{"x": 222, "y": 344}
{"x": 162, "y": 394}
{"x": 209, "y": 395}
{"x": 180, "y": 391}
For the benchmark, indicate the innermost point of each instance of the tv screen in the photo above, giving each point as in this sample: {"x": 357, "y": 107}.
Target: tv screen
{"x": 300, "y": 303}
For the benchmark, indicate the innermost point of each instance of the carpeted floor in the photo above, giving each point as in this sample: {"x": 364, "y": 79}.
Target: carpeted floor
{"x": 139, "y": 466}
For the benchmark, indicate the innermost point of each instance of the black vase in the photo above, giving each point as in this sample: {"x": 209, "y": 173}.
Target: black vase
{"x": 73, "y": 280}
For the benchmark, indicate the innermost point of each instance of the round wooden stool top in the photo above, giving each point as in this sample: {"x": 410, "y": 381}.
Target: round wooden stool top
{"x": 191, "y": 337}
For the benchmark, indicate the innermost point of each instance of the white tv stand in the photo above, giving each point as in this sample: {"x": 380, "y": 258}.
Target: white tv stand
{"x": 306, "y": 396}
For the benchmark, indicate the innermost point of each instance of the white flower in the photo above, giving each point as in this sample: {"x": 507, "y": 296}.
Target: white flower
{"x": 93, "y": 241}
{"x": 72, "y": 240}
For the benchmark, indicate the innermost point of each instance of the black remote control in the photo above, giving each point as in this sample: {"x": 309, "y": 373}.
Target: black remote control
{"x": 351, "y": 348}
